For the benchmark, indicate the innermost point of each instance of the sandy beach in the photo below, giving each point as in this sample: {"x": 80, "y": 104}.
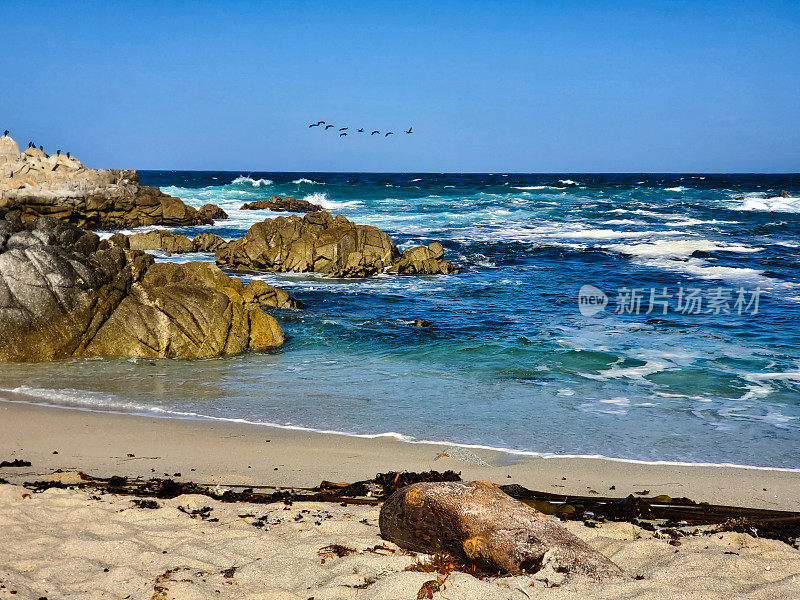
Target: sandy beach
{"x": 65, "y": 543}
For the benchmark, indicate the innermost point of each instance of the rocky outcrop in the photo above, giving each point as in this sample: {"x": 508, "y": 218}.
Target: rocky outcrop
{"x": 161, "y": 239}
{"x": 212, "y": 212}
{"x": 37, "y": 184}
{"x": 321, "y": 243}
{"x": 65, "y": 293}
{"x": 423, "y": 260}
{"x": 285, "y": 204}
{"x": 316, "y": 242}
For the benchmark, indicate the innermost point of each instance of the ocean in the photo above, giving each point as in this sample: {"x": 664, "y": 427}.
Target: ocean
{"x": 633, "y": 316}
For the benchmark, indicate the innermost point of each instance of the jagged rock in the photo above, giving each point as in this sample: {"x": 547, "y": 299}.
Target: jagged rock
{"x": 38, "y": 184}
{"x": 784, "y": 194}
{"x": 423, "y": 260}
{"x": 64, "y": 293}
{"x": 482, "y": 524}
{"x": 208, "y": 242}
{"x": 212, "y": 212}
{"x": 285, "y": 204}
{"x": 316, "y": 242}
{"x": 160, "y": 239}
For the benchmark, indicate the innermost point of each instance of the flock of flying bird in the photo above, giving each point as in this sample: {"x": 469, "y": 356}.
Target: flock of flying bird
{"x": 343, "y": 130}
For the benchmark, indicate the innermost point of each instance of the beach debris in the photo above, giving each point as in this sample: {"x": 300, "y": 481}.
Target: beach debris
{"x": 15, "y": 463}
{"x": 149, "y": 504}
{"x": 483, "y": 525}
{"x": 229, "y": 572}
{"x": 203, "y": 514}
{"x": 338, "y": 550}
{"x": 429, "y": 588}
{"x": 463, "y": 454}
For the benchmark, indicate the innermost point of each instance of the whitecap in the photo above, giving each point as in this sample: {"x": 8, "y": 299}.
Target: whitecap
{"x": 241, "y": 180}
{"x": 303, "y": 180}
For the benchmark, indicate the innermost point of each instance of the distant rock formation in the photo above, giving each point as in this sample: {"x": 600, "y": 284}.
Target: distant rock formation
{"x": 285, "y": 204}
{"x": 38, "y": 184}
{"x": 321, "y": 243}
{"x": 65, "y": 293}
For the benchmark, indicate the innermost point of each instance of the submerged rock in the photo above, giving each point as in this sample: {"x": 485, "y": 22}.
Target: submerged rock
{"x": 285, "y": 204}
{"x": 37, "y": 184}
{"x": 64, "y": 293}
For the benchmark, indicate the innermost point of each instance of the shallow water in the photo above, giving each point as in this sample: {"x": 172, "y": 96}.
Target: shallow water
{"x": 509, "y": 360}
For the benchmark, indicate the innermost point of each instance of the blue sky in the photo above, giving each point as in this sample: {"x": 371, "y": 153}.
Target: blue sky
{"x": 488, "y": 86}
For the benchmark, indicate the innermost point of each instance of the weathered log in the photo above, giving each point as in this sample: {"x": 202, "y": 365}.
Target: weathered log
{"x": 479, "y": 522}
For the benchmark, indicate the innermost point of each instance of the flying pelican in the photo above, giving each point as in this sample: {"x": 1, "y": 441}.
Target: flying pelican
{"x": 341, "y": 134}
{"x": 374, "y": 132}
{"x": 314, "y": 125}
{"x": 328, "y": 127}
{"x": 409, "y": 130}
{"x": 343, "y": 128}
{"x": 388, "y": 133}
{"x": 361, "y": 130}
{"x": 320, "y": 123}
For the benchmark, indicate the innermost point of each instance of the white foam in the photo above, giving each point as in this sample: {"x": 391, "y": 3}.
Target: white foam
{"x": 303, "y": 180}
{"x": 678, "y": 248}
{"x": 155, "y": 412}
{"x": 568, "y": 182}
{"x": 759, "y": 202}
{"x": 242, "y": 179}
{"x": 679, "y": 188}
{"x": 322, "y": 199}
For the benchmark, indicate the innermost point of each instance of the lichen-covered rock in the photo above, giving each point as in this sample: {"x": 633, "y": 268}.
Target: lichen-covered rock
{"x": 283, "y": 204}
{"x": 423, "y": 260}
{"x": 37, "y": 184}
{"x": 64, "y": 293}
{"x": 316, "y": 242}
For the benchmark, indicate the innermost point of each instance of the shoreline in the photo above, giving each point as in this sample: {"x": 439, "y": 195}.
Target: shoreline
{"x": 219, "y": 452}
{"x": 400, "y": 437}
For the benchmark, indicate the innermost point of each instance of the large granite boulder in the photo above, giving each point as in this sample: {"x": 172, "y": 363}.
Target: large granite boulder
{"x": 321, "y": 243}
{"x": 316, "y": 242}
{"x": 65, "y": 293}
{"x": 37, "y": 184}
{"x": 285, "y": 204}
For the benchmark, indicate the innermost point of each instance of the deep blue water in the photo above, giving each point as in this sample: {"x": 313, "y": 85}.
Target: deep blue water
{"x": 509, "y": 360}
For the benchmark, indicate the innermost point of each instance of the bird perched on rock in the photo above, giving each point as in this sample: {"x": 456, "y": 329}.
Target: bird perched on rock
{"x": 58, "y": 152}
{"x": 67, "y": 154}
{"x": 5, "y": 133}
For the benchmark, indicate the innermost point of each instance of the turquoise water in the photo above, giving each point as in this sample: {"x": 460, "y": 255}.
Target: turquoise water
{"x": 509, "y": 360}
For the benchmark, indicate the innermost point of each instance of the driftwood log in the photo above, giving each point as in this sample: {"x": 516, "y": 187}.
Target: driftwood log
{"x": 479, "y": 522}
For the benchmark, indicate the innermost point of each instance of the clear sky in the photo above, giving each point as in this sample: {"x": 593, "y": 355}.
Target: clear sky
{"x": 487, "y": 86}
